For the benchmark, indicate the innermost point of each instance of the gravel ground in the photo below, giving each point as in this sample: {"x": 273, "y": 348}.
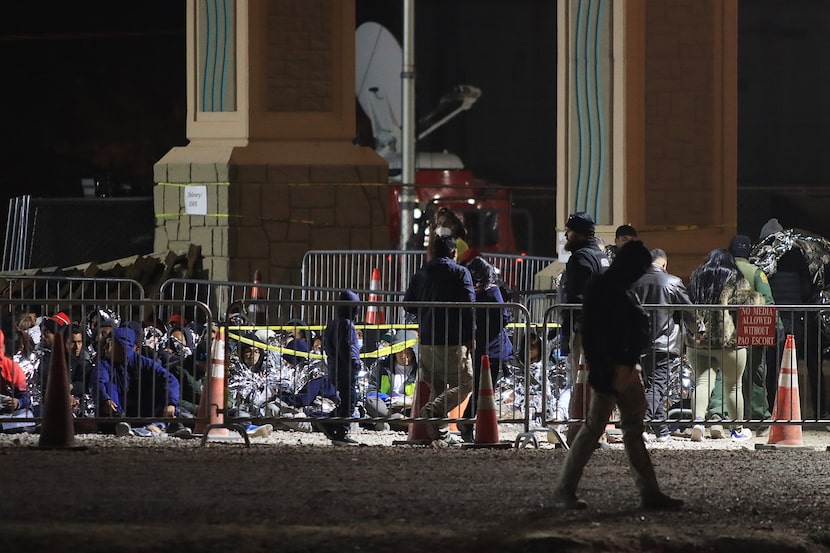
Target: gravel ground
{"x": 294, "y": 492}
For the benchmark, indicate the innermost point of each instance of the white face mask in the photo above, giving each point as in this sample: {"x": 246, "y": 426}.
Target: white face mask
{"x": 443, "y": 231}
{"x": 360, "y": 342}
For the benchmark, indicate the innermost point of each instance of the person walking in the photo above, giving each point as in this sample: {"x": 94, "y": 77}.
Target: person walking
{"x": 615, "y": 332}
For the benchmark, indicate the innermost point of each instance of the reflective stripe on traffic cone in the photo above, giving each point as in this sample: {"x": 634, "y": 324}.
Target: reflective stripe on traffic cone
{"x": 57, "y": 430}
{"x": 212, "y": 404}
{"x": 374, "y": 315}
{"x": 787, "y": 406}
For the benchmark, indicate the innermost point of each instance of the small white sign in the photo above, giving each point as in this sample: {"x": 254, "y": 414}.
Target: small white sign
{"x": 195, "y": 200}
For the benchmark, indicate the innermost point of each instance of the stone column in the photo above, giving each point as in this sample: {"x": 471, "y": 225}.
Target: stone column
{"x": 270, "y": 123}
{"x": 647, "y": 117}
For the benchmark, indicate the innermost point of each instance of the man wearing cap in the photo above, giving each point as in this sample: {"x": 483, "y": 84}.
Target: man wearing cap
{"x": 624, "y": 234}
{"x": 587, "y": 259}
{"x": 755, "y": 375}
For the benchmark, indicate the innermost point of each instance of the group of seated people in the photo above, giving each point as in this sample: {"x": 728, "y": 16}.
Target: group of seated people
{"x": 129, "y": 369}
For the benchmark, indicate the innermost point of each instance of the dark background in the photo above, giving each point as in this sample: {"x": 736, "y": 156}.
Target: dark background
{"x": 97, "y": 89}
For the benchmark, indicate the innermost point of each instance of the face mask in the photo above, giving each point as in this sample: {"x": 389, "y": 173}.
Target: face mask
{"x": 360, "y": 343}
{"x": 443, "y": 231}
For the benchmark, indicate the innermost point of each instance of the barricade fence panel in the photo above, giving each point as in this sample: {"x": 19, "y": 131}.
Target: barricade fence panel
{"x": 355, "y": 269}
{"x": 125, "y": 366}
{"x": 713, "y": 369}
{"x": 285, "y": 373}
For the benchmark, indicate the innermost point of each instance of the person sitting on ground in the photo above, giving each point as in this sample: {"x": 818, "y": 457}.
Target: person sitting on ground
{"x": 128, "y": 384}
{"x": 296, "y": 339}
{"x": 251, "y": 382}
{"x": 392, "y": 381}
{"x": 15, "y": 401}
{"x": 51, "y": 329}
{"x": 80, "y": 373}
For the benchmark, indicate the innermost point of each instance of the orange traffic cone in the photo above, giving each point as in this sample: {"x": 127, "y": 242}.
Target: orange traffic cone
{"x": 256, "y": 293}
{"x": 418, "y": 434}
{"x": 580, "y": 399}
{"x": 487, "y": 421}
{"x": 57, "y": 430}
{"x": 375, "y": 315}
{"x": 212, "y": 403}
{"x": 787, "y": 406}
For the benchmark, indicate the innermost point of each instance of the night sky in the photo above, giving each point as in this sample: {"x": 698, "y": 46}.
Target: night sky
{"x": 97, "y": 88}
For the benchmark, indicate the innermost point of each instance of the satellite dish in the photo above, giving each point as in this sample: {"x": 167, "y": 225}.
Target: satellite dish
{"x": 378, "y": 64}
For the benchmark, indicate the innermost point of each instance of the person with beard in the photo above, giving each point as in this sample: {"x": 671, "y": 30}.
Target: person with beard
{"x": 615, "y": 333}
{"x": 587, "y": 259}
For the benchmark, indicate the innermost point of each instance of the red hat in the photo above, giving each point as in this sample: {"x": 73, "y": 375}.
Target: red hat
{"x": 62, "y": 319}
{"x": 177, "y": 320}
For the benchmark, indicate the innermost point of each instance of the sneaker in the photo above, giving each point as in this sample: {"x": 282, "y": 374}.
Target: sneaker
{"x": 254, "y": 431}
{"x": 447, "y": 440}
{"x": 345, "y": 440}
{"x": 697, "y": 433}
{"x": 662, "y": 438}
{"x": 742, "y": 434}
{"x": 646, "y": 438}
{"x": 682, "y": 433}
{"x": 381, "y": 426}
{"x": 569, "y": 501}
{"x": 716, "y": 431}
{"x": 661, "y": 502}
{"x": 183, "y": 433}
{"x": 123, "y": 429}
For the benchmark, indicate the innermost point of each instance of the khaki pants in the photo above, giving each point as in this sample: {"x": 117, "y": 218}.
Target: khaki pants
{"x": 631, "y": 400}
{"x": 448, "y": 370}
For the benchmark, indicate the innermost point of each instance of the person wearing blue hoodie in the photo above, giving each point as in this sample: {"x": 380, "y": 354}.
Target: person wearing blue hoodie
{"x": 343, "y": 353}
{"x": 131, "y": 385}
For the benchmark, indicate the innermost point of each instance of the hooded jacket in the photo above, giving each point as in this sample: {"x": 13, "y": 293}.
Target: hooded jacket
{"x": 12, "y": 377}
{"x": 584, "y": 262}
{"x": 340, "y": 338}
{"x": 140, "y": 387}
{"x": 615, "y": 327}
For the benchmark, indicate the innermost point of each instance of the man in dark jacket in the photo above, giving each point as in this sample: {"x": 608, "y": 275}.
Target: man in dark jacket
{"x": 587, "y": 259}
{"x": 615, "y": 333}
{"x": 660, "y": 288}
{"x": 447, "y": 335}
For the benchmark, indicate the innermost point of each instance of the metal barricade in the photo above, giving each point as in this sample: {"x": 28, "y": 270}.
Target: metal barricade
{"x": 684, "y": 380}
{"x": 354, "y": 270}
{"x": 91, "y": 383}
{"x": 293, "y": 381}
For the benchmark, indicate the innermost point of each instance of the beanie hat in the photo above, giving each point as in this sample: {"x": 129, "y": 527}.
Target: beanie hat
{"x": 582, "y": 223}
{"x": 770, "y": 227}
{"x": 740, "y": 246}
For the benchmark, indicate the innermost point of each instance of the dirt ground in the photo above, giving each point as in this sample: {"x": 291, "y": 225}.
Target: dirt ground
{"x": 294, "y": 492}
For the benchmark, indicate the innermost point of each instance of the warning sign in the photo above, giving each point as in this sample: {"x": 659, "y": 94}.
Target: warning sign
{"x": 756, "y": 326}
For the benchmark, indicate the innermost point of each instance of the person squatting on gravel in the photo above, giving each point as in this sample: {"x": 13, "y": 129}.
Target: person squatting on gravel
{"x": 615, "y": 333}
